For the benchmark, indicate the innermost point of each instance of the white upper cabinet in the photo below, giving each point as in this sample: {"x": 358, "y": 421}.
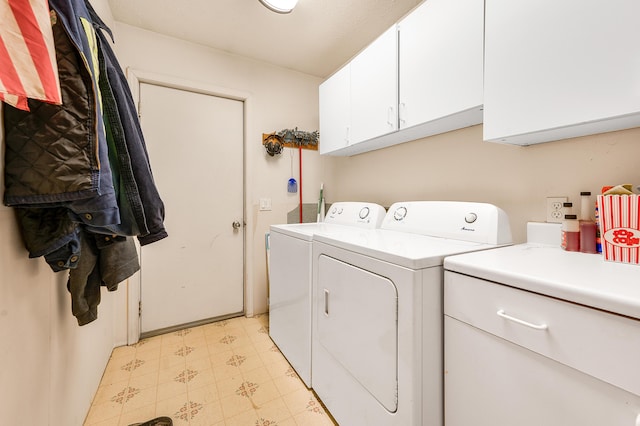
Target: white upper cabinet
{"x": 440, "y": 65}
{"x": 359, "y": 102}
{"x": 419, "y": 78}
{"x": 374, "y": 89}
{"x": 335, "y": 111}
{"x": 560, "y": 69}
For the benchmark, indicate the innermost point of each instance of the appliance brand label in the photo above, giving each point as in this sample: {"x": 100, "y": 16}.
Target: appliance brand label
{"x": 464, "y": 228}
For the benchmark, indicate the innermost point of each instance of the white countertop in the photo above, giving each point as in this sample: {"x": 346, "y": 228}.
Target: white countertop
{"x": 581, "y": 278}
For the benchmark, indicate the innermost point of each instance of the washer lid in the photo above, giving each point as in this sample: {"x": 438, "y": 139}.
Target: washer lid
{"x": 304, "y": 231}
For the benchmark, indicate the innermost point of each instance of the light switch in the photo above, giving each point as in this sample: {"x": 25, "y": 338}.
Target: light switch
{"x": 265, "y": 204}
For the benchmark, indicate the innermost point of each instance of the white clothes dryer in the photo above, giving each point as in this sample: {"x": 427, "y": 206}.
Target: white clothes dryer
{"x": 378, "y": 320}
{"x": 290, "y": 277}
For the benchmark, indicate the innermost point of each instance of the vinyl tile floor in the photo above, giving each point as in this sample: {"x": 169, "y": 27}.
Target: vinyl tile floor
{"x": 227, "y": 373}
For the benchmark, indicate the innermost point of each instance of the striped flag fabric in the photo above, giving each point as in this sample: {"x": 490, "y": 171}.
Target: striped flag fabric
{"x": 28, "y": 66}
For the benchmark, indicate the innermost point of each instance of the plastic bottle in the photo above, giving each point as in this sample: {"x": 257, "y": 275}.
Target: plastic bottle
{"x": 571, "y": 233}
{"x": 598, "y": 234}
{"x": 587, "y": 225}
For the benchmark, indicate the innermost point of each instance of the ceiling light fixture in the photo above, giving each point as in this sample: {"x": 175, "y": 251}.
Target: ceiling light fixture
{"x": 280, "y": 6}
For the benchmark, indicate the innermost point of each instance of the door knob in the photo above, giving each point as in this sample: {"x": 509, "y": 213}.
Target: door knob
{"x": 236, "y": 225}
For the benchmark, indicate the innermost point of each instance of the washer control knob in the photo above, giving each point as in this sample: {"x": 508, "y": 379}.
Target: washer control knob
{"x": 364, "y": 212}
{"x": 400, "y": 213}
{"x": 470, "y": 217}
{"x": 334, "y": 210}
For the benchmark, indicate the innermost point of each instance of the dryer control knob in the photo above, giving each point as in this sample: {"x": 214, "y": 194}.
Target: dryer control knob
{"x": 364, "y": 212}
{"x": 470, "y": 217}
{"x": 400, "y": 213}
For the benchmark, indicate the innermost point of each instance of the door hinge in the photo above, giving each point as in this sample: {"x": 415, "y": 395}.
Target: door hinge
{"x": 140, "y": 308}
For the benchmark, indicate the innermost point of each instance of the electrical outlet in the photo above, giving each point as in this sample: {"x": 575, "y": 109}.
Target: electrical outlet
{"x": 555, "y": 210}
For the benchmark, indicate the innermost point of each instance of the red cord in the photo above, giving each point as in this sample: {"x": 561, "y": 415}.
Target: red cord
{"x": 300, "y": 189}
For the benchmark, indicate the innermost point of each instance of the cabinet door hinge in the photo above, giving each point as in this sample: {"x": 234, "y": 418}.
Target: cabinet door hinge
{"x": 140, "y": 308}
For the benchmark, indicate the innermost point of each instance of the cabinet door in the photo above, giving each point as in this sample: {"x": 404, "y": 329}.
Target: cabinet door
{"x": 374, "y": 89}
{"x": 440, "y": 64}
{"x": 490, "y": 381}
{"x": 335, "y": 111}
{"x": 555, "y": 70}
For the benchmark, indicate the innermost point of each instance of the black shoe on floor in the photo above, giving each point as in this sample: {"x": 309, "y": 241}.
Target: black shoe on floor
{"x": 158, "y": 421}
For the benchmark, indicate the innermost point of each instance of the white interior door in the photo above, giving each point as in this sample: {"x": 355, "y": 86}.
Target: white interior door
{"x": 195, "y": 144}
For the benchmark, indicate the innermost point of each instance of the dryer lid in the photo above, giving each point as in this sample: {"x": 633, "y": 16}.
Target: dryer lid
{"x": 411, "y": 251}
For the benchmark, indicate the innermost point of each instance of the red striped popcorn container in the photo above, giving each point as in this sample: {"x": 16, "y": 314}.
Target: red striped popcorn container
{"x": 620, "y": 227}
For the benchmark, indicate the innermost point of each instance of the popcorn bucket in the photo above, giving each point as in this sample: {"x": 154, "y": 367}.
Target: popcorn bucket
{"x": 620, "y": 227}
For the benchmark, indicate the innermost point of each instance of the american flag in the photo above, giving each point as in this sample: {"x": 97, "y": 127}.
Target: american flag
{"x": 27, "y": 54}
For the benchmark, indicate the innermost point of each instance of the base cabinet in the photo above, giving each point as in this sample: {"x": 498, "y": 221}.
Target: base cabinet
{"x": 513, "y": 357}
{"x": 506, "y": 384}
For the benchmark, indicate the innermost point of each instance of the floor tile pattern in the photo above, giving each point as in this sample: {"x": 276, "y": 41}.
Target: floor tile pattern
{"x": 227, "y": 373}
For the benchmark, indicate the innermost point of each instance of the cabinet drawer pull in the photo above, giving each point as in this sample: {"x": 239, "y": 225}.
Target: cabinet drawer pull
{"x": 502, "y": 314}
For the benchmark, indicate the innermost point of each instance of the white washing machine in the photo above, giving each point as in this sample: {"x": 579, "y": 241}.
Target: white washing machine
{"x": 378, "y": 320}
{"x": 290, "y": 277}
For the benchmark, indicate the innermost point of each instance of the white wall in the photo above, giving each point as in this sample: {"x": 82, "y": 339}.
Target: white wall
{"x": 51, "y": 367}
{"x": 279, "y": 99}
{"x": 459, "y": 166}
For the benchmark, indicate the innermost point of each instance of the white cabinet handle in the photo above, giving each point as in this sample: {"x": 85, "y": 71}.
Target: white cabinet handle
{"x": 326, "y": 302}
{"x": 502, "y": 314}
{"x": 402, "y": 113}
{"x": 390, "y": 117}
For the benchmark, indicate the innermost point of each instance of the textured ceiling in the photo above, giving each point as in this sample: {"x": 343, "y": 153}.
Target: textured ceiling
{"x": 316, "y": 38}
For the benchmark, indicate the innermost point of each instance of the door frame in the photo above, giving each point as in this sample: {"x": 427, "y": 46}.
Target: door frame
{"x": 135, "y": 77}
